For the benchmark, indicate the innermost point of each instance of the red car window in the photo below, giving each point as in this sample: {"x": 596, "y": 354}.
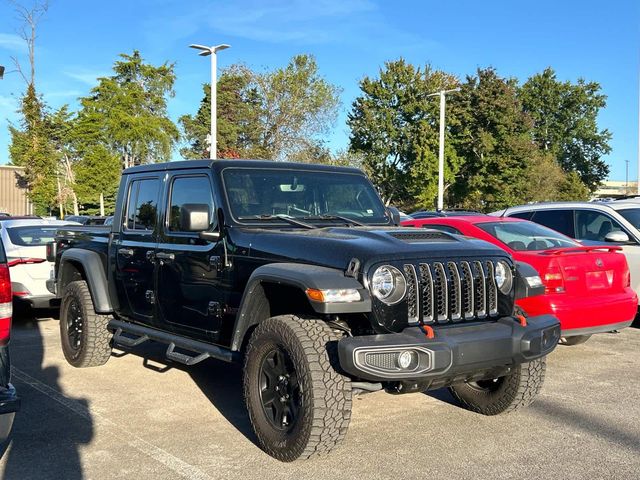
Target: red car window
{"x": 521, "y": 236}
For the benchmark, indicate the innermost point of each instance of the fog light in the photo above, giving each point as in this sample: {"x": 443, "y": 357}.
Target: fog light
{"x": 406, "y": 359}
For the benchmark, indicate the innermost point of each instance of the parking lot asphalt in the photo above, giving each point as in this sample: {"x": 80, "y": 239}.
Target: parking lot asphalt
{"x": 147, "y": 419}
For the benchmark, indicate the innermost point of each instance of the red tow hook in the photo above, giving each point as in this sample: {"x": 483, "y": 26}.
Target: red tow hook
{"x": 523, "y": 320}
{"x": 428, "y": 331}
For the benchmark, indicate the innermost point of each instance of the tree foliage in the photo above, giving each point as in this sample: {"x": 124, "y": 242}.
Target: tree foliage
{"x": 394, "y": 125}
{"x": 127, "y": 112}
{"x": 32, "y": 149}
{"x": 279, "y": 114}
{"x": 565, "y": 123}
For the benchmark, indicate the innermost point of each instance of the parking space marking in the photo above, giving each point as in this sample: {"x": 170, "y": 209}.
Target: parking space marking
{"x": 179, "y": 466}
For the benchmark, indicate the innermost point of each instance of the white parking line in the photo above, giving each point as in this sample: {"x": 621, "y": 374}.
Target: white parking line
{"x": 174, "y": 463}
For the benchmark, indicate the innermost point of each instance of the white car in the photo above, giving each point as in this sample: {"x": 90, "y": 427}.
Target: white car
{"x": 591, "y": 223}
{"x": 25, "y": 243}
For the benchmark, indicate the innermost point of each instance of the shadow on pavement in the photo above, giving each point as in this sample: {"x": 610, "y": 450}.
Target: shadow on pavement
{"x": 587, "y": 423}
{"x": 221, "y": 382}
{"x": 46, "y": 435}
{"x": 443, "y": 395}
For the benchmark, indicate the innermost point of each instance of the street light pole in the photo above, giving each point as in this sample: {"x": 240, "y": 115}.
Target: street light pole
{"x": 441, "y": 94}
{"x": 626, "y": 181}
{"x": 213, "y": 51}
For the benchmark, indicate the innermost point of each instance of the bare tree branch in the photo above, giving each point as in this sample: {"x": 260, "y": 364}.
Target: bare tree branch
{"x": 30, "y": 17}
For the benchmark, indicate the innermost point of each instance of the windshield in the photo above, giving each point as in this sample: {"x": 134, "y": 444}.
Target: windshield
{"x": 305, "y": 195}
{"x": 32, "y": 235}
{"x": 631, "y": 215}
{"x": 521, "y": 236}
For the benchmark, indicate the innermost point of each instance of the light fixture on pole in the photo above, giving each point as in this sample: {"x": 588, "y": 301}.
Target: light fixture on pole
{"x": 204, "y": 52}
{"x": 1, "y": 72}
{"x": 442, "y": 94}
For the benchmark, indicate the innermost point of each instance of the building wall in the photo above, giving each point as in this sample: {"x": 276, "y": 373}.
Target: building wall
{"x": 13, "y": 195}
{"x": 614, "y": 189}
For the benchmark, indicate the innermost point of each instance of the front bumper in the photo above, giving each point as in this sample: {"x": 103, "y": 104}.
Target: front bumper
{"x": 456, "y": 351}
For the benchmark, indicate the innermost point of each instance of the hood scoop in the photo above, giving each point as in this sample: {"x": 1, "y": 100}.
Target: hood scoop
{"x": 423, "y": 236}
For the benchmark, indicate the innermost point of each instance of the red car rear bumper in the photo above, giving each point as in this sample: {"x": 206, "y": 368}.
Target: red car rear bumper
{"x": 585, "y": 315}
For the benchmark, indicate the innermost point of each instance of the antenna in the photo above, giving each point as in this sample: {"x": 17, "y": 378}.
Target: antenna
{"x": 504, "y": 212}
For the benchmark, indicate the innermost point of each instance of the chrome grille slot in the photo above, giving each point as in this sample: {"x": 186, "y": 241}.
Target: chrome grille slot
{"x": 426, "y": 280}
{"x": 413, "y": 299}
{"x": 441, "y": 290}
{"x": 480, "y": 290}
{"x": 455, "y": 293}
{"x": 492, "y": 289}
{"x": 467, "y": 290}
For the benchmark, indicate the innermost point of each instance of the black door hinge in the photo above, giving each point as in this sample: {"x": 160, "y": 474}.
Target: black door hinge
{"x": 150, "y": 296}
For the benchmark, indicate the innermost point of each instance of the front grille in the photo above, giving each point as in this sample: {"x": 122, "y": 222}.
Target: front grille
{"x": 451, "y": 291}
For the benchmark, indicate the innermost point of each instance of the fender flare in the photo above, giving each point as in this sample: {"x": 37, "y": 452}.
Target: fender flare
{"x": 94, "y": 274}
{"x": 300, "y": 276}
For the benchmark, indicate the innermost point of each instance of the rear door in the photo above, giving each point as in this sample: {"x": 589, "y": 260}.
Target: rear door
{"x": 135, "y": 248}
{"x": 190, "y": 289}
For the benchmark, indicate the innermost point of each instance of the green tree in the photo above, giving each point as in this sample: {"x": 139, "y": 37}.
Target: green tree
{"x": 97, "y": 171}
{"x": 494, "y": 138}
{"x": 127, "y": 112}
{"x": 238, "y": 132}
{"x": 565, "y": 123}
{"x": 394, "y": 126}
{"x": 32, "y": 149}
{"x": 279, "y": 114}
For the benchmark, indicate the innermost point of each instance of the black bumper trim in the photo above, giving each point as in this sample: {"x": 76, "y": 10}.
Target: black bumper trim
{"x": 599, "y": 329}
{"x": 456, "y": 349}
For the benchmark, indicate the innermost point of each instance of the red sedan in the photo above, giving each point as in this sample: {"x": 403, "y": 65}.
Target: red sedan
{"x": 587, "y": 288}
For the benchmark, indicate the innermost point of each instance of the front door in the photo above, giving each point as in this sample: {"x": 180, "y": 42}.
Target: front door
{"x": 135, "y": 248}
{"x": 190, "y": 297}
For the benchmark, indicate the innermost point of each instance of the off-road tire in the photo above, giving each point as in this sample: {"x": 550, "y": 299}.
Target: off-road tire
{"x": 506, "y": 394}
{"x": 325, "y": 411}
{"x": 575, "y": 340}
{"x": 94, "y": 339}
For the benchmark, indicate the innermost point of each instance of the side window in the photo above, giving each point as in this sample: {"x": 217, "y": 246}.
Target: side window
{"x": 592, "y": 225}
{"x": 558, "y": 220}
{"x": 189, "y": 190}
{"x": 443, "y": 228}
{"x": 523, "y": 215}
{"x": 143, "y": 204}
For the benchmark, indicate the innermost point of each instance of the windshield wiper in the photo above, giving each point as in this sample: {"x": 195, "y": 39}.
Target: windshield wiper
{"x": 335, "y": 217}
{"x": 284, "y": 218}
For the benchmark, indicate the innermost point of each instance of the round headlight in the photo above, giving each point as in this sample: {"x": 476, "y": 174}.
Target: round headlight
{"x": 388, "y": 284}
{"x": 504, "y": 277}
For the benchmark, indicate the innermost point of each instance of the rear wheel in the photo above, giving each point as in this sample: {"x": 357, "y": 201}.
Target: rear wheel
{"x": 85, "y": 339}
{"x": 299, "y": 405}
{"x": 574, "y": 340}
{"x": 503, "y": 394}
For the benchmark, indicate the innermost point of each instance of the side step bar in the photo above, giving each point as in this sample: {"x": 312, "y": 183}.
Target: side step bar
{"x": 141, "y": 334}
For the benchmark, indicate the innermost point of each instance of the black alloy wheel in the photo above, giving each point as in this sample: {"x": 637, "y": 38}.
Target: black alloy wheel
{"x": 280, "y": 391}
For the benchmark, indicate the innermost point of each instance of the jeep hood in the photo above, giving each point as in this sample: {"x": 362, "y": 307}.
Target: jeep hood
{"x": 336, "y": 246}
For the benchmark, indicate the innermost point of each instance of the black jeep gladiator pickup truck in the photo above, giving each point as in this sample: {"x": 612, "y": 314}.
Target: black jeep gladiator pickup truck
{"x": 300, "y": 272}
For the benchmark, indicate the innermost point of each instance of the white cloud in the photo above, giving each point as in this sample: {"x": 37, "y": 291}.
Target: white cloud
{"x": 13, "y": 43}
{"x": 85, "y": 76}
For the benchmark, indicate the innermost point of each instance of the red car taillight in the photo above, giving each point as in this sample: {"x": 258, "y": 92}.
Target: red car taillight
{"x": 6, "y": 309}
{"x": 553, "y": 279}
{"x": 13, "y": 261}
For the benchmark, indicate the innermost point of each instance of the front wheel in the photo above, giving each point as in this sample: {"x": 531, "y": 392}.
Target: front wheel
{"x": 299, "y": 405}
{"x": 85, "y": 339}
{"x": 503, "y": 394}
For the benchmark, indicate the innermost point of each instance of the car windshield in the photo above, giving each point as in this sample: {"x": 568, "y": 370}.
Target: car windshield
{"x": 525, "y": 235}
{"x": 327, "y": 196}
{"x": 32, "y": 235}
{"x": 631, "y": 215}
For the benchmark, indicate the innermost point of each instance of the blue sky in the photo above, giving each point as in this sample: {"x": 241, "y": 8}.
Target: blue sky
{"x": 79, "y": 40}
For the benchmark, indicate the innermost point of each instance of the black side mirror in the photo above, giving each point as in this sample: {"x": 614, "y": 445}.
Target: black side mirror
{"x": 194, "y": 217}
{"x": 394, "y": 213}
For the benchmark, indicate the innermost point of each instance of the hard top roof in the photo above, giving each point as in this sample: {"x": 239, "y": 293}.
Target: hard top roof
{"x": 219, "y": 165}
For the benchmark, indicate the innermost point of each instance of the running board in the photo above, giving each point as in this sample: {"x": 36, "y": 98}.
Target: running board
{"x": 140, "y": 334}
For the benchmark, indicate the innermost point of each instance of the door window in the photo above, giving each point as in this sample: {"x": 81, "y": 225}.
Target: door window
{"x": 189, "y": 190}
{"x": 558, "y": 220}
{"x": 143, "y": 204}
{"x": 523, "y": 215}
{"x": 595, "y": 226}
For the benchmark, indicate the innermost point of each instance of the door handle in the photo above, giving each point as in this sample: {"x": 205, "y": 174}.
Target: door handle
{"x": 166, "y": 257}
{"x": 125, "y": 252}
